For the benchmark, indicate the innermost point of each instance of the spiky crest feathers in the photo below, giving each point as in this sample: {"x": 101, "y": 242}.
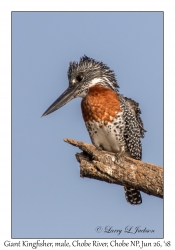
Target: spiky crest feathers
{"x": 87, "y": 64}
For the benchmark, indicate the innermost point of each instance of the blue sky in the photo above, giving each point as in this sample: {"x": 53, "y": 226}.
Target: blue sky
{"x": 49, "y": 199}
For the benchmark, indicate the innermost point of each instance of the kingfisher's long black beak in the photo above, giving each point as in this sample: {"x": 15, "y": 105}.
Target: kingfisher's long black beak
{"x": 66, "y": 97}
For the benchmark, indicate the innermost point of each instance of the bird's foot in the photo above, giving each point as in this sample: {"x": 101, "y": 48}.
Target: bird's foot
{"x": 99, "y": 148}
{"x": 119, "y": 157}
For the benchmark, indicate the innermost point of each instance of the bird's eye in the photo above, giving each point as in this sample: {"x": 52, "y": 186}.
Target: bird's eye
{"x": 79, "y": 78}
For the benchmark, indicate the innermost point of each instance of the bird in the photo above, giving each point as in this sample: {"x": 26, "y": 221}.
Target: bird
{"x": 112, "y": 120}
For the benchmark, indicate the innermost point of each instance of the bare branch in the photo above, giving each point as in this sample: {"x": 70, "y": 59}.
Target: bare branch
{"x": 102, "y": 165}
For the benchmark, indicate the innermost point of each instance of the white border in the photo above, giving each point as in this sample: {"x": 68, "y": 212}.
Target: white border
{"x": 5, "y": 93}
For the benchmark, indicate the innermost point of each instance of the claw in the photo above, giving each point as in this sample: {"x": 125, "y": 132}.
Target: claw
{"x": 119, "y": 156}
{"x": 99, "y": 148}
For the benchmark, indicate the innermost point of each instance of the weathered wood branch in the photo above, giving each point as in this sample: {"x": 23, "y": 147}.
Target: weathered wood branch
{"x": 126, "y": 171}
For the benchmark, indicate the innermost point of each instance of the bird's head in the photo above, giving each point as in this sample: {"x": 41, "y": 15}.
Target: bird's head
{"x": 83, "y": 75}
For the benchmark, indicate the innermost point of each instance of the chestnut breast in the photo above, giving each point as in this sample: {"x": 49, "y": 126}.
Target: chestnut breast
{"x": 100, "y": 104}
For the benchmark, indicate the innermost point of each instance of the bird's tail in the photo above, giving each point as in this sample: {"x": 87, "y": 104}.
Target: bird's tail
{"x": 133, "y": 196}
